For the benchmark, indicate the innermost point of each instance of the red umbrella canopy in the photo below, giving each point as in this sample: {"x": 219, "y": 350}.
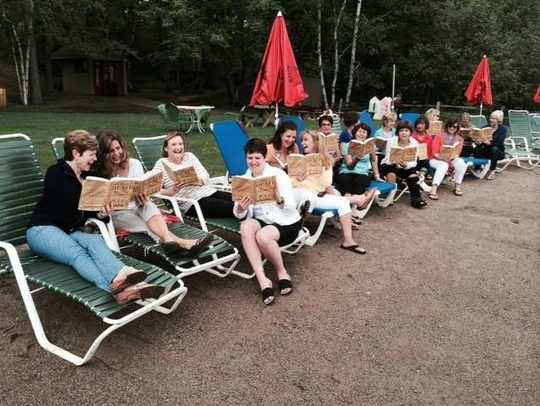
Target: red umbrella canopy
{"x": 479, "y": 90}
{"x": 537, "y": 95}
{"x": 279, "y": 80}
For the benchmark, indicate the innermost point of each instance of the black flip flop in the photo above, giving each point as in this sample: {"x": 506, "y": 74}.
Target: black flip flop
{"x": 268, "y": 293}
{"x": 353, "y": 248}
{"x": 201, "y": 244}
{"x": 284, "y": 284}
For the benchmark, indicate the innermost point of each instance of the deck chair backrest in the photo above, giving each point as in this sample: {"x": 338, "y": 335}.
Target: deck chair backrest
{"x": 410, "y": 117}
{"x": 163, "y": 112}
{"x": 148, "y": 150}
{"x": 479, "y": 121}
{"x": 301, "y": 128}
{"x": 365, "y": 117}
{"x": 520, "y": 125}
{"x": 231, "y": 138}
{"x": 21, "y": 186}
{"x": 58, "y": 147}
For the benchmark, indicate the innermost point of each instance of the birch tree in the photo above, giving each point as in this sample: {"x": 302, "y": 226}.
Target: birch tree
{"x": 336, "y": 53}
{"x": 353, "y": 53}
{"x": 319, "y": 54}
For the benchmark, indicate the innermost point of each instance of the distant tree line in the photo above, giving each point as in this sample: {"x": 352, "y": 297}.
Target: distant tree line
{"x": 435, "y": 44}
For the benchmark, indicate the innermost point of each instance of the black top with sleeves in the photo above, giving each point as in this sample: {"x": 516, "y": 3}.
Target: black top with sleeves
{"x": 59, "y": 204}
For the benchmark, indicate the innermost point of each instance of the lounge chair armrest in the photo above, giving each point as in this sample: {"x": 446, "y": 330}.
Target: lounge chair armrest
{"x": 108, "y": 233}
{"x": 12, "y": 254}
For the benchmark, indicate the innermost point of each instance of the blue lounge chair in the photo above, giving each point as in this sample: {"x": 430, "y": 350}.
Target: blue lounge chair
{"x": 365, "y": 117}
{"x": 410, "y": 117}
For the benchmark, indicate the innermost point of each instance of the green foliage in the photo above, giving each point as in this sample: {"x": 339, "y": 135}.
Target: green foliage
{"x": 435, "y": 44}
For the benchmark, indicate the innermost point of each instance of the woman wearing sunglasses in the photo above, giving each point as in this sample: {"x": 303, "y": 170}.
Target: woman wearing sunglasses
{"x": 449, "y": 137}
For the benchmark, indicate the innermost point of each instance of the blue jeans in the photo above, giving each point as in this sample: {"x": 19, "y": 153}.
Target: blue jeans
{"x": 86, "y": 253}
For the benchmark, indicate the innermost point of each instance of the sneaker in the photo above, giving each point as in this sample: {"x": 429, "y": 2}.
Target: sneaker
{"x": 126, "y": 277}
{"x": 140, "y": 291}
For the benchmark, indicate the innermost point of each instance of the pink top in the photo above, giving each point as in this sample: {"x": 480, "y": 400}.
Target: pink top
{"x": 272, "y": 155}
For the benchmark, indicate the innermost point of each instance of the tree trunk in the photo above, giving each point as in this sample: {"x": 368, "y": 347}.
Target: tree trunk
{"x": 353, "y": 54}
{"x": 319, "y": 53}
{"x": 336, "y": 55}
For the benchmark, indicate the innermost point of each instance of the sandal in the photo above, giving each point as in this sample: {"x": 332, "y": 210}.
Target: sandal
{"x": 433, "y": 196}
{"x": 354, "y": 248}
{"x": 491, "y": 176}
{"x": 355, "y": 226}
{"x": 201, "y": 244}
{"x": 268, "y": 295}
{"x": 458, "y": 192}
{"x": 285, "y": 285}
{"x": 418, "y": 203}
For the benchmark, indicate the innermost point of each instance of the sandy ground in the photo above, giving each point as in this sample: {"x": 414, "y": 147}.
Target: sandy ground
{"x": 442, "y": 311}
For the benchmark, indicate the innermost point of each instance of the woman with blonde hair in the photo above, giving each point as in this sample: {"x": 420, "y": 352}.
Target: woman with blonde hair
{"x": 317, "y": 188}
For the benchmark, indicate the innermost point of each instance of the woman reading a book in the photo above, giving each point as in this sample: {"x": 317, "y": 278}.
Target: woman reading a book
{"x": 465, "y": 126}
{"x": 354, "y": 178}
{"x": 494, "y": 149}
{"x": 213, "y": 202}
{"x": 55, "y": 229}
{"x": 267, "y": 226}
{"x": 317, "y": 188}
{"x": 142, "y": 216}
{"x": 282, "y": 144}
{"x": 445, "y": 150}
{"x": 420, "y": 134}
{"x": 394, "y": 165}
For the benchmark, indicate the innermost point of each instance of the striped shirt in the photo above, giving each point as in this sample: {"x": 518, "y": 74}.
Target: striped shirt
{"x": 190, "y": 191}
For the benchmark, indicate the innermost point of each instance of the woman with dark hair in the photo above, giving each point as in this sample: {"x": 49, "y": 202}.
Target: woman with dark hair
{"x": 353, "y": 177}
{"x": 420, "y": 134}
{"x": 213, "y": 202}
{"x": 282, "y": 144}
{"x": 267, "y": 226}
{"x": 403, "y": 169}
{"x": 441, "y": 165}
{"x": 142, "y": 216}
{"x": 55, "y": 231}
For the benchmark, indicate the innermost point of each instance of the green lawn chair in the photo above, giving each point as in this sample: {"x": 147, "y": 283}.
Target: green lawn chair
{"x": 21, "y": 185}
{"x": 180, "y": 119}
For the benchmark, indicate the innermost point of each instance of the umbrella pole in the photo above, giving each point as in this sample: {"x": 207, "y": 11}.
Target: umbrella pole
{"x": 393, "y": 85}
{"x": 276, "y": 117}
{"x": 480, "y": 108}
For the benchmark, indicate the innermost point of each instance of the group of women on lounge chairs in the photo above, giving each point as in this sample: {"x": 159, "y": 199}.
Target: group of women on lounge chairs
{"x": 55, "y": 230}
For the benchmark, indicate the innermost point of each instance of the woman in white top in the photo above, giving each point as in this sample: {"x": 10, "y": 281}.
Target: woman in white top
{"x": 267, "y": 226}
{"x": 213, "y": 202}
{"x": 142, "y": 216}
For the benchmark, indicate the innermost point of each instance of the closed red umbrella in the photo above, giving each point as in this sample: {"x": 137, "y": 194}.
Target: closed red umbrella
{"x": 279, "y": 80}
{"x": 537, "y": 95}
{"x": 479, "y": 90}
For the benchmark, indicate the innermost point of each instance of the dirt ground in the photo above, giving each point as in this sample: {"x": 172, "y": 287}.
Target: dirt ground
{"x": 442, "y": 311}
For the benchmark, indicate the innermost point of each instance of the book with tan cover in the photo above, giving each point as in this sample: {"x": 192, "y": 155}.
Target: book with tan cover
{"x": 435, "y": 127}
{"x": 448, "y": 151}
{"x": 260, "y": 190}
{"x": 118, "y": 192}
{"x": 380, "y": 142}
{"x": 481, "y": 134}
{"x": 422, "y": 151}
{"x": 183, "y": 176}
{"x": 406, "y": 154}
{"x": 360, "y": 148}
{"x": 330, "y": 141}
{"x": 297, "y": 164}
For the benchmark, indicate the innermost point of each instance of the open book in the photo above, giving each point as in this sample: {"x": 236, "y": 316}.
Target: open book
{"x": 297, "y": 164}
{"x": 279, "y": 162}
{"x": 422, "y": 151}
{"x": 406, "y": 154}
{"x": 118, "y": 192}
{"x": 380, "y": 142}
{"x": 330, "y": 141}
{"x": 184, "y": 176}
{"x": 360, "y": 148}
{"x": 448, "y": 151}
{"x": 476, "y": 134}
{"x": 261, "y": 190}
{"x": 435, "y": 127}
